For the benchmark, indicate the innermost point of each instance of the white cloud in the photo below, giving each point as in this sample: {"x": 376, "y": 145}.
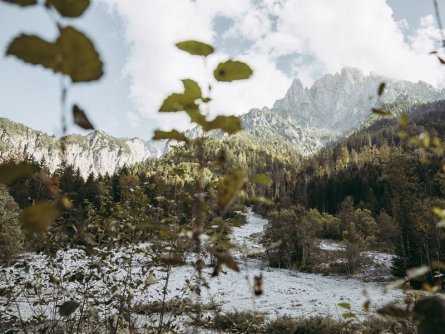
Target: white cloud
{"x": 134, "y": 119}
{"x": 332, "y": 34}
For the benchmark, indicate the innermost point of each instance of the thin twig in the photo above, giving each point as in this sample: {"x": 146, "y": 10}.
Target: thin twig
{"x": 439, "y": 22}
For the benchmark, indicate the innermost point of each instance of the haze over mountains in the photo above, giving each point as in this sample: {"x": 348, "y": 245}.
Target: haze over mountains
{"x": 305, "y": 118}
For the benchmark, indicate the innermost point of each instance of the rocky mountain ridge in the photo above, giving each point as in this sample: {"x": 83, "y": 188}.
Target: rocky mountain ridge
{"x": 97, "y": 152}
{"x": 306, "y": 119}
{"x": 334, "y": 106}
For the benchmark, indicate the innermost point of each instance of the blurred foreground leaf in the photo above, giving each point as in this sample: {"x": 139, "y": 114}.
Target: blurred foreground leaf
{"x": 81, "y": 119}
{"x": 9, "y": 172}
{"x": 195, "y": 48}
{"x": 228, "y": 124}
{"x": 68, "y": 308}
{"x": 72, "y": 54}
{"x": 69, "y": 8}
{"x": 381, "y": 88}
{"x": 230, "y": 187}
{"x": 232, "y": 70}
{"x": 37, "y": 218}
{"x": 173, "y": 134}
{"x": 22, "y": 3}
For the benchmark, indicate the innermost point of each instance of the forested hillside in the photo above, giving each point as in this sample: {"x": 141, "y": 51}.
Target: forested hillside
{"x": 374, "y": 190}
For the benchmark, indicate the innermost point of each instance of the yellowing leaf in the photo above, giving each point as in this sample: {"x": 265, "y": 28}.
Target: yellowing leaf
{"x": 195, "y": 48}
{"x": 69, "y": 8}
{"x": 81, "y": 119}
{"x": 404, "y": 120}
{"x": 72, "y": 54}
{"x": 173, "y": 134}
{"x": 66, "y": 203}
{"x": 232, "y": 70}
{"x": 345, "y": 305}
{"x": 348, "y": 315}
{"x": 439, "y": 212}
{"x": 39, "y": 217}
{"x": 22, "y": 3}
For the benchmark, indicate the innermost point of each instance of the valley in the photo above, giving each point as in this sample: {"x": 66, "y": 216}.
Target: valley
{"x": 302, "y": 219}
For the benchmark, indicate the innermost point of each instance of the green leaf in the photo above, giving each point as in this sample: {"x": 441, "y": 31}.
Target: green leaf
{"x": 72, "y": 54}
{"x": 81, "y": 119}
{"x": 195, "y": 48}
{"x": 381, "y": 88}
{"x": 191, "y": 89}
{"x": 68, "y": 308}
{"x": 79, "y": 57}
{"x": 69, "y": 8}
{"x": 9, "y": 172}
{"x": 262, "y": 179}
{"x": 345, "y": 305}
{"x": 198, "y": 118}
{"x": 178, "y": 102}
{"x": 229, "y": 124}
{"x": 22, "y": 3}
{"x": 34, "y": 50}
{"x": 348, "y": 315}
{"x": 39, "y": 217}
{"x": 232, "y": 70}
{"x": 173, "y": 134}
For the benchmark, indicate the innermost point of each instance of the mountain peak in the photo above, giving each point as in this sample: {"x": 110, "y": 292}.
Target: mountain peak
{"x": 341, "y": 102}
{"x": 352, "y": 73}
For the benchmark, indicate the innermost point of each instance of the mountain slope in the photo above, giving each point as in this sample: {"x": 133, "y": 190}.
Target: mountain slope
{"x": 335, "y": 105}
{"x": 96, "y": 153}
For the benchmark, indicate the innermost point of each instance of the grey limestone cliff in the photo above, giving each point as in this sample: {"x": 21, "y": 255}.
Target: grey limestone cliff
{"x": 96, "y": 153}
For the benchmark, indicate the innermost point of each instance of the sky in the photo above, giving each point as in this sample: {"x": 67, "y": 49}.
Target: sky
{"x": 280, "y": 39}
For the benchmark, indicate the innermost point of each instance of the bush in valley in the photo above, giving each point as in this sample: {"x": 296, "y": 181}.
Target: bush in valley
{"x": 299, "y": 231}
{"x": 254, "y": 322}
{"x": 11, "y": 236}
{"x": 240, "y": 322}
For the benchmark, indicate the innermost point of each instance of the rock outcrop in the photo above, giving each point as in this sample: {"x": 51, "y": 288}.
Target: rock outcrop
{"x": 96, "y": 153}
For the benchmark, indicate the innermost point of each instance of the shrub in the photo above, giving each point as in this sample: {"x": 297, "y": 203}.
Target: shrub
{"x": 240, "y": 322}
{"x": 319, "y": 325}
{"x": 11, "y": 236}
{"x": 282, "y": 325}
